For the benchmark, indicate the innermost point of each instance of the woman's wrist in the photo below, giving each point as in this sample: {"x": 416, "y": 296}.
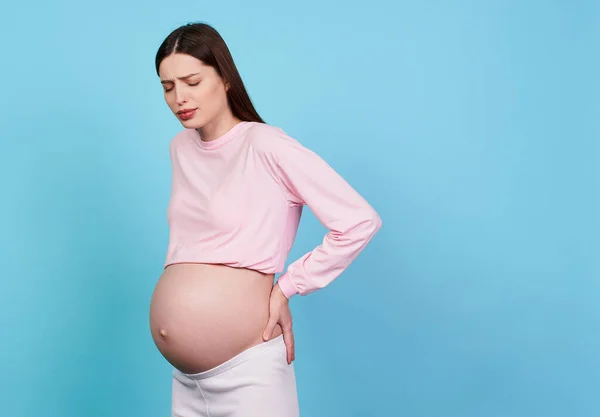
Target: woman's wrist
{"x": 286, "y": 286}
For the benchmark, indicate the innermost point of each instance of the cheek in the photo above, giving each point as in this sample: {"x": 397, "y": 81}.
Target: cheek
{"x": 170, "y": 100}
{"x": 212, "y": 99}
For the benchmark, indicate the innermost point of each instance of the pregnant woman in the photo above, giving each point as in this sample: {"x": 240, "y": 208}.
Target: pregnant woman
{"x": 238, "y": 189}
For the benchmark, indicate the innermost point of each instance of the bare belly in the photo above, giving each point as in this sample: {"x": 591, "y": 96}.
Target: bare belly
{"x": 202, "y": 315}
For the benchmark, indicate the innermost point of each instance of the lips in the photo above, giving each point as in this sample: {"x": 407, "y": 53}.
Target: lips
{"x": 186, "y": 114}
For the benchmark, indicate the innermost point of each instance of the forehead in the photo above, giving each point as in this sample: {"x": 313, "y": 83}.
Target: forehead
{"x": 179, "y": 65}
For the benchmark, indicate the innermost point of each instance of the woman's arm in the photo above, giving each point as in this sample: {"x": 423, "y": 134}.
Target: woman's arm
{"x": 307, "y": 179}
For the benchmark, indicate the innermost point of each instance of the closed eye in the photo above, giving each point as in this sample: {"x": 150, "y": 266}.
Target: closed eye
{"x": 190, "y": 84}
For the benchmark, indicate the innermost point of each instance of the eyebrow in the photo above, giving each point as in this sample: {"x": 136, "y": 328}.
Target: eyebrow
{"x": 185, "y": 77}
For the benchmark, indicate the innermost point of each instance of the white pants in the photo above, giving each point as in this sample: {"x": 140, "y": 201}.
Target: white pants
{"x": 258, "y": 382}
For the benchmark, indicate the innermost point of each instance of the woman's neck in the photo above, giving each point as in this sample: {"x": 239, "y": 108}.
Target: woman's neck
{"x": 217, "y": 128}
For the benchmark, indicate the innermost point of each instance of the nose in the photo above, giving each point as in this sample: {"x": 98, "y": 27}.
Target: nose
{"x": 180, "y": 96}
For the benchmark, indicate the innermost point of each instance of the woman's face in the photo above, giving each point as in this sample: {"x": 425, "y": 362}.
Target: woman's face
{"x": 193, "y": 88}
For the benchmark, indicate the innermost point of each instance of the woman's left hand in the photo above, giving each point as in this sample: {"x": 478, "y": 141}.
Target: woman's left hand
{"x": 279, "y": 313}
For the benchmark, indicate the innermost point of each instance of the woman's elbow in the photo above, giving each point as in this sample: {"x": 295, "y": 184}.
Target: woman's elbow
{"x": 370, "y": 224}
{"x": 375, "y": 222}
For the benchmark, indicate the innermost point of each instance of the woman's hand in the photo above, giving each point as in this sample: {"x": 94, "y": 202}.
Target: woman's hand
{"x": 279, "y": 313}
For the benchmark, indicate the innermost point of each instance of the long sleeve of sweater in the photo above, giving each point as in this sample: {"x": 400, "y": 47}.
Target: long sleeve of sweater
{"x": 308, "y": 179}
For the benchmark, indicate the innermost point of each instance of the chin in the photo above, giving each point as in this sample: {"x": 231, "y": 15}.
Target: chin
{"x": 192, "y": 123}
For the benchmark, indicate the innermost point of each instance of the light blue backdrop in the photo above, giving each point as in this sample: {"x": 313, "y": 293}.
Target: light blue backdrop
{"x": 472, "y": 127}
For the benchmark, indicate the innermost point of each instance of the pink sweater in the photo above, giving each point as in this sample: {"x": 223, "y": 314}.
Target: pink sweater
{"x": 237, "y": 201}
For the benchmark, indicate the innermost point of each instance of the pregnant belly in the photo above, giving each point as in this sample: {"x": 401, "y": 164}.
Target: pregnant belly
{"x": 202, "y": 315}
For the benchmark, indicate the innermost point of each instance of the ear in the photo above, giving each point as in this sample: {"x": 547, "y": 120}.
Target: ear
{"x": 227, "y": 86}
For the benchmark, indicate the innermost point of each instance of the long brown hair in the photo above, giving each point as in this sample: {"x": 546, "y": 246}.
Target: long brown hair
{"x": 203, "y": 42}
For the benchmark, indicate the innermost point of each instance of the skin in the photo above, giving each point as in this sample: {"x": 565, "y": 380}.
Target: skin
{"x": 190, "y": 84}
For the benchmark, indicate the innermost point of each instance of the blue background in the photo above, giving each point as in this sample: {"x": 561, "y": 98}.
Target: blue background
{"x": 471, "y": 127}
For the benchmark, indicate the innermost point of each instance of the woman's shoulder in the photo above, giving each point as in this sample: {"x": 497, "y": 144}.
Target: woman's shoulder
{"x": 268, "y": 138}
{"x": 181, "y": 136}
